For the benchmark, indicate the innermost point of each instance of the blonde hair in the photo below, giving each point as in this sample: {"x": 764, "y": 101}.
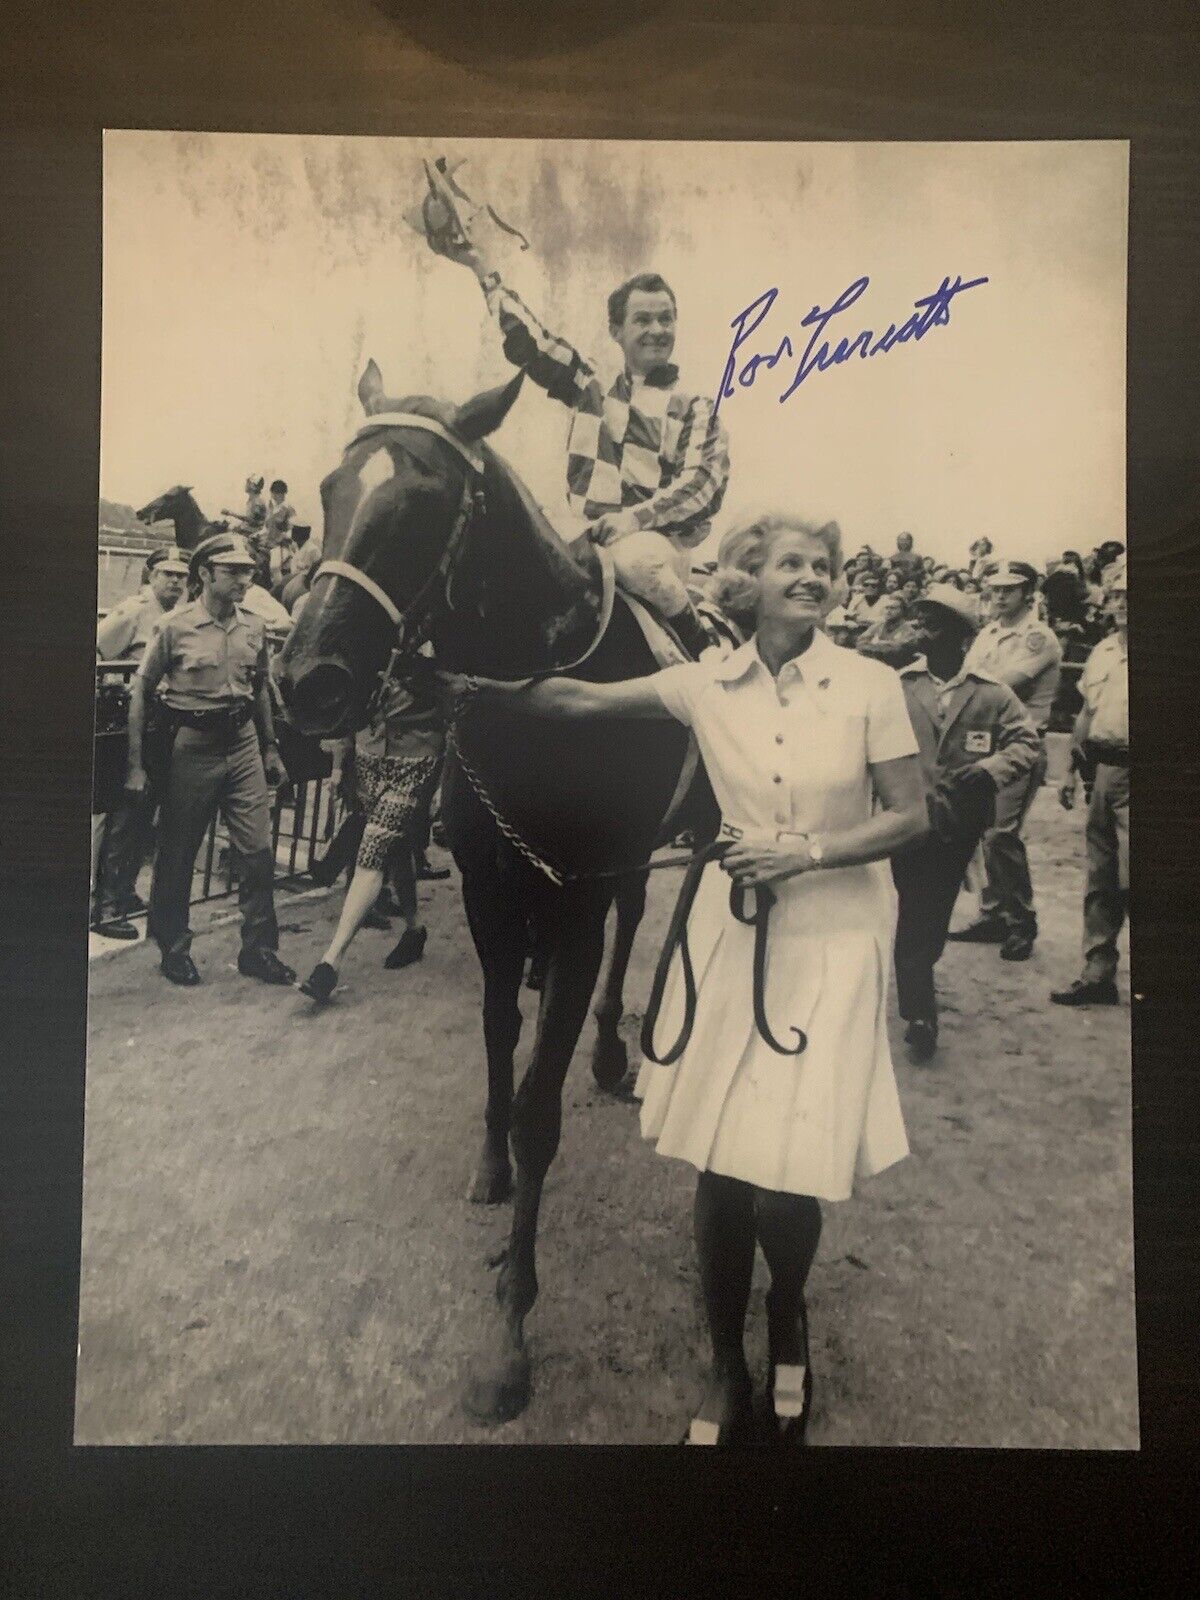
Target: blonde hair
{"x": 744, "y": 549}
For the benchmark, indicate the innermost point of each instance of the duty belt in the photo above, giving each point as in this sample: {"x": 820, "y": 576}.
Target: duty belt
{"x": 1107, "y": 755}
{"x": 224, "y": 720}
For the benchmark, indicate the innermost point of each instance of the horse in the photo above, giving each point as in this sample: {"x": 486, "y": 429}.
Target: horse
{"x": 430, "y": 535}
{"x": 177, "y": 506}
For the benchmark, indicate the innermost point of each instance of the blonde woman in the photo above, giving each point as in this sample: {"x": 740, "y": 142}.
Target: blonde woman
{"x": 813, "y": 760}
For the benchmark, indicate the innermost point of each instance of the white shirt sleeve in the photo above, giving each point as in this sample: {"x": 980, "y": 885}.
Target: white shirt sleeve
{"x": 889, "y": 729}
{"x": 678, "y": 687}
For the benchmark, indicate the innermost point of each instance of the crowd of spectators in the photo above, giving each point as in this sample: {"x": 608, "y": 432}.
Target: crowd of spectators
{"x": 883, "y": 590}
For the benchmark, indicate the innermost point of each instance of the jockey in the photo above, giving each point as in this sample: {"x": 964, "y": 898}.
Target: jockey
{"x": 647, "y": 460}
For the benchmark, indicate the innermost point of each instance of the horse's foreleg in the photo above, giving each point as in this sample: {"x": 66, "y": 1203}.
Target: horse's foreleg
{"x": 499, "y": 1386}
{"x": 610, "y": 1059}
{"x": 496, "y": 920}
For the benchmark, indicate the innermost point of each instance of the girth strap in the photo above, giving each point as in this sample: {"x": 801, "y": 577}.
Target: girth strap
{"x": 677, "y": 939}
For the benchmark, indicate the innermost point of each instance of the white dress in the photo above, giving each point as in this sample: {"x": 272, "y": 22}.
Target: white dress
{"x": 794, "y": 754}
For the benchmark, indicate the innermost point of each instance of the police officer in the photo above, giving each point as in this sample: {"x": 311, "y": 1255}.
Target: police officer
{"x": 211, "y": 658}
{"x": 1100, "y": 750}
{"x": 123, "y": 636}
{"x": 128, "y": 628}
{"x": 1019, "y": 650}
{"x": 975, "y": 738}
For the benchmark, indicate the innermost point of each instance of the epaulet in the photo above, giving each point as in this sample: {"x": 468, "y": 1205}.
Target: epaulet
{"x": 913, "y": 669}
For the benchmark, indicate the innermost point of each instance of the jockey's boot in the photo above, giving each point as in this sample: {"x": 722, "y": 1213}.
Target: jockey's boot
{"x": 691, "y": 632}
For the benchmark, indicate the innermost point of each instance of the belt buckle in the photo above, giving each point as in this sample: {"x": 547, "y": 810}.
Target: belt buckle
{"x": 729, "y": 831}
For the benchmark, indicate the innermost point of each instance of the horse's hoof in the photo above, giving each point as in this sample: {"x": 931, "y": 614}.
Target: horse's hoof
{"x": 499, "y": 1395}
{"x": 492, "y": 1182}
{"x": 610, "y": 1062}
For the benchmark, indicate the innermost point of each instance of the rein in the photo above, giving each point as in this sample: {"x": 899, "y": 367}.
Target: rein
{"x": 677, "y": 939}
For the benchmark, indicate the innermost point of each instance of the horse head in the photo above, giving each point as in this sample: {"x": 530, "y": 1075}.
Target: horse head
{"x": 412, "y": 485}
{"x": 176, "y": 505}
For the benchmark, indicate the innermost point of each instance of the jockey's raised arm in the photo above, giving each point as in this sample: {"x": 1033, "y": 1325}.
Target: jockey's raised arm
{"x": 647, "y": 461}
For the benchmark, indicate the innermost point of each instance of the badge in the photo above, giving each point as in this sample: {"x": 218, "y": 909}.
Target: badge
{"x": 978, "y": 742}
{"x": 1035, "y": 639}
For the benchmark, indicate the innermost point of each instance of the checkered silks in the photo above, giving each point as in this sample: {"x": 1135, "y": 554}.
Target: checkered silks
{"x": 649, "y": 444}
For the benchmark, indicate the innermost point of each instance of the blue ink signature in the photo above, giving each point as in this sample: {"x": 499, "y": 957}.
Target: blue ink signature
{"x": 931, "y": 311}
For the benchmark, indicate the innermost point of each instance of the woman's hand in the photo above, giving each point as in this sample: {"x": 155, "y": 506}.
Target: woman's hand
{"x": 455, "y": 690}
{"x": 762, "y": 858}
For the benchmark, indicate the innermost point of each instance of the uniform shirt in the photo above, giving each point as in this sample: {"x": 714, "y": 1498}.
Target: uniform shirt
{"x": 128, "y": 628}
{"x": 1104, "y": 685}
{"x": 791, "y": 753}
{"x": 1025, "y": 648}
{"x": 261, "y": 603}
{"x": 640, "y": 444}
{"x": 968, "y": 720}
{"x": 203, "y": 664}
{"x": 280, "y": 517}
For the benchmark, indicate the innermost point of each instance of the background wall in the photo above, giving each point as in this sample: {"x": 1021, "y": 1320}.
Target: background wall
{"x": 248, "y": 277}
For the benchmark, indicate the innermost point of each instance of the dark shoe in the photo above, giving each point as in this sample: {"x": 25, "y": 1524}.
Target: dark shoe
{"x": 789, "y": 1384}
{"x": 115, "y": 928}
{"x": 264, "y": 965}
{"x": 320, "y": 983}
{"x": 1088, "y": 992}
{"x": 988, "y": 930}
{"x": 376, "y": 919}
{"x": 411, "y": 947}
{"x": 180, "y": 968}
{"x": 131, "y": 906}
{"x": 1018, "y": 946}
{"x": 921, "y": 1038}
{"x": 325, "y": 872}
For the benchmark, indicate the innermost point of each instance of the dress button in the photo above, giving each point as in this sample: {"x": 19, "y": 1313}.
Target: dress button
{"x": 783, "y": 699}
{"x": 778, "y": 778}
{"x": 778, "y": 738}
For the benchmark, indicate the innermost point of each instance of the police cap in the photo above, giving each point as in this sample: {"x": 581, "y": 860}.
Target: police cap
{"x": 220, "y": 549}
{"x": 1006, "y": 574}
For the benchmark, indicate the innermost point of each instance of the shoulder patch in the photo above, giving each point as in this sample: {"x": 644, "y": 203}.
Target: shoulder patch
{"x": 1037, "y": 638}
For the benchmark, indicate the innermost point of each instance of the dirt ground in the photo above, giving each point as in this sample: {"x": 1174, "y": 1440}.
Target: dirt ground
{"x": 277, "y": 1247}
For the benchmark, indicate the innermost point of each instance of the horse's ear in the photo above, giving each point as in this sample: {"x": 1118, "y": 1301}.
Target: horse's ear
{"x": 370, "y": 387}
{"x": 484, "y": 414}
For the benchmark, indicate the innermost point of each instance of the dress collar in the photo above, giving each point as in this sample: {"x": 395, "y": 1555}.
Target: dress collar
{"x": 815, "y": 663}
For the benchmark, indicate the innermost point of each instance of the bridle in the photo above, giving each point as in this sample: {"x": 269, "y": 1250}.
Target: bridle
{"x": 413, "y": 623}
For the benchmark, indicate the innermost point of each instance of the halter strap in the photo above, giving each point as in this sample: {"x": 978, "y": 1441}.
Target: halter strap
{"x": 343, "y": 569}
{"x": 412, "y": 419}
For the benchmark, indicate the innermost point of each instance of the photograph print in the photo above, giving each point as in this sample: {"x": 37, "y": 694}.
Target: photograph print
{"x": 611, "y": 796}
